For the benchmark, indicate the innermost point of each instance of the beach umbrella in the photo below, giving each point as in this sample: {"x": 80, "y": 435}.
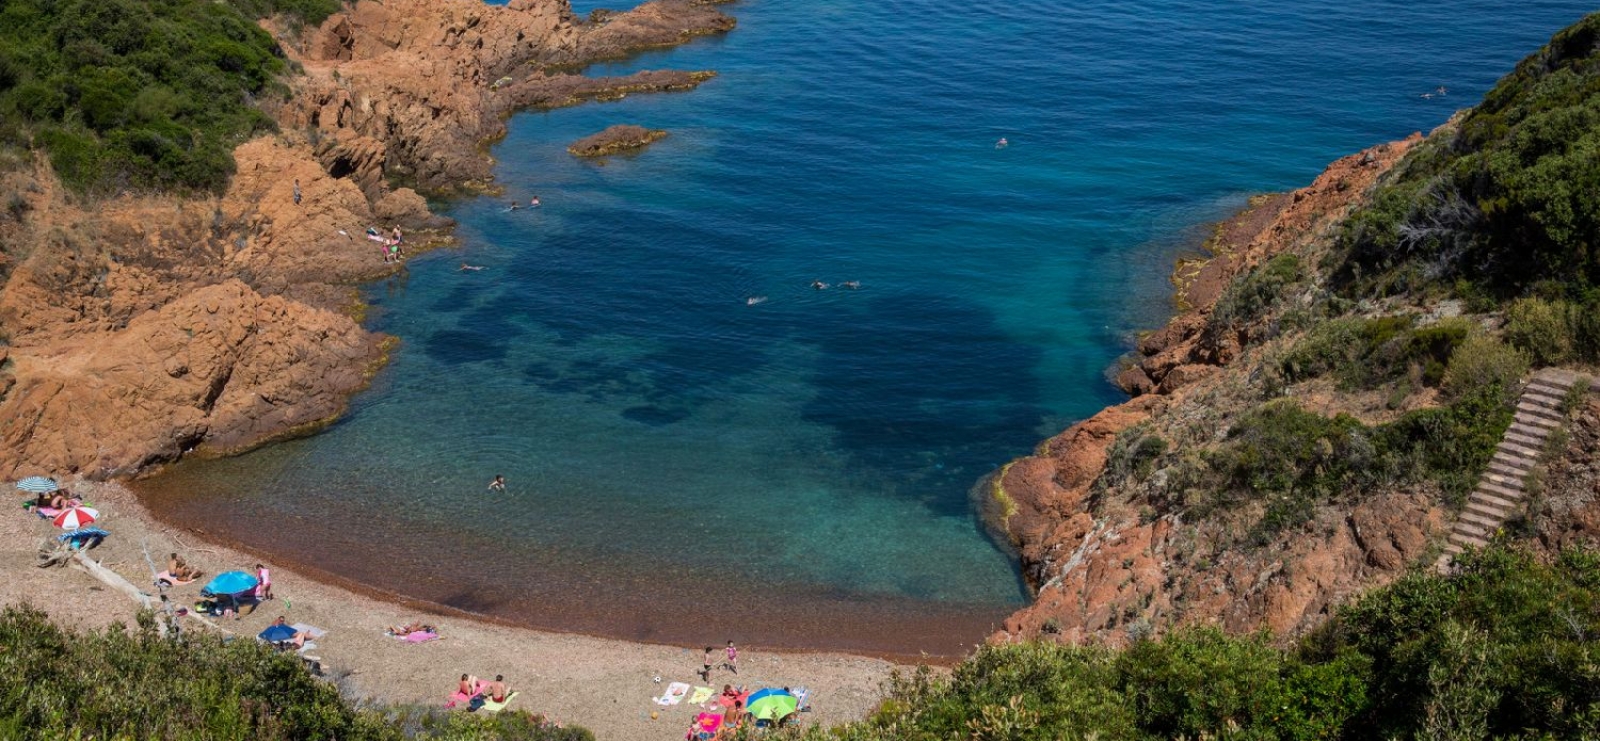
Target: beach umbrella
{"x": 230, "y": 582}
{"x": 38, "y": 485}
{"x": 75, "y": 517}
{"x": 275, "y": 633}
{"x": 771, "y": 704}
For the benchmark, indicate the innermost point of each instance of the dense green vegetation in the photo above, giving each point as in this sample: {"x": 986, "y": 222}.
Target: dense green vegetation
{"x": 1509, "y": 203}
{"x": 137, "y": 685}
{"x": 1506, "y": 649}
{"x": 139, "y": 93}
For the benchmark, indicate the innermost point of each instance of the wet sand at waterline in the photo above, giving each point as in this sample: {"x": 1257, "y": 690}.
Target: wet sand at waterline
{"x": 602, "y": 684}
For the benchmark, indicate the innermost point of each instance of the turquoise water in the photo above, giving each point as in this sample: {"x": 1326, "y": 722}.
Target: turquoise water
{"x": 684, "y": 466}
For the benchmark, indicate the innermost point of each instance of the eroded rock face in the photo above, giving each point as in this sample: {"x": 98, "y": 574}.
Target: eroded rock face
{"x": 619, "y": 138}
{"x": 223, "y": 366}
{"x": 144, "y": 327}
{"x": 1114, "y": 558}
{"x": 411, "y": 87}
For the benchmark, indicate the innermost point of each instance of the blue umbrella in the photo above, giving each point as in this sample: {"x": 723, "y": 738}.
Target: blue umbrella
{"x": 275, "y": 633}
{"x": 229, "y": 582}
{"x": 38, "y": 485}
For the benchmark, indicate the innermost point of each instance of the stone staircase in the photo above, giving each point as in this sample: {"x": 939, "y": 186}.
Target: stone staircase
{"x": 1500, "y": 491}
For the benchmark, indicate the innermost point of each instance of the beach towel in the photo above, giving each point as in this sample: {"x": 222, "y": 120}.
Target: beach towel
{"x": 490, "y": 706}
{"x": 46, "y": 513}
{"x": 674, "y": 694}
{"x": 459, "y": 697}
{"x": 802, "y": 696}
{"x": 420, "y": 636}
{"x": 167, "y": 577}
{"x": 701, "y": 694}
{"x": 706, "y": 726}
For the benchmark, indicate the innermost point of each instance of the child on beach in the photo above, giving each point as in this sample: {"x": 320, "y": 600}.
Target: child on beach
{"x": 264, "y": 588}
{"x": 733, "y": 658}
{"x": 710, "y": 658}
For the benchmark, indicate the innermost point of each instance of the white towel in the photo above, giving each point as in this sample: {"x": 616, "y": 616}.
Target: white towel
{"x": 674, "y": 694}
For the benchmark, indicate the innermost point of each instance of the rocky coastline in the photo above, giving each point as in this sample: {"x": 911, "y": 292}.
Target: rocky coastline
{"x": 146, "y": 327}
{"x": 1108, "y": 564}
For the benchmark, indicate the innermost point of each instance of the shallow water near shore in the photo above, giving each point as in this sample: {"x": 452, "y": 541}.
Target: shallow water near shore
{"x": 688, "y": 465}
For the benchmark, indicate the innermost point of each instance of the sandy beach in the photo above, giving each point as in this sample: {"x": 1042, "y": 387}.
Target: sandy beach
{"x": 604, "y": 685}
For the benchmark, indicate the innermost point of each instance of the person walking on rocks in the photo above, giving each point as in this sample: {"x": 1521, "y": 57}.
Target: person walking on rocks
{"x": 297, "y": 191}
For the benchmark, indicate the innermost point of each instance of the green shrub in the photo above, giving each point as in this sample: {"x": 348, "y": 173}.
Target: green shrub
{"x": 1249, "y": 297}
{"x": 121, "y": 684}
{"x": 1508, "y": 200}
{"x": 131, "y": 93}
{"x": 1485, "y": 364}
{"x": 1367, "y": 353}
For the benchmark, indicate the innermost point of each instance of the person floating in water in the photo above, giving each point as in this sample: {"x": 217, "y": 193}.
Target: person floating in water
{"x": 1002, "y": 144}
{"x": 753, "y": 300}
{"x": 464, "y": 267}
{"x": 513, "y": 206}
{"x": 499, "y": 483}
{"x": 851, "y": 284}
{"x": 819, "y": 285}
{"x": 533, "y": 202}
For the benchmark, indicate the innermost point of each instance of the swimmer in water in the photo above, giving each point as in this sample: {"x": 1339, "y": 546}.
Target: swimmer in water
{"x": 851, "y": 284}
{"x": 819, "y": 285}
{"x": 1002, "y": 144}
{"x": 513, "y": 206}
{"x": 465, "y": 266}
{"x": 534, "y": 202}
{"x": 753, "y": 300}
{"x": 1441, "y": 90}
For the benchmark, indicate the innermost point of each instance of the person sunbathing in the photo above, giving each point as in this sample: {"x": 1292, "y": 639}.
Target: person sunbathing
{"x": 181, "y": 571}
{"x": 496, "y": 690}
{"x": 298, "y": 640}
{"x": 409, "y": 628}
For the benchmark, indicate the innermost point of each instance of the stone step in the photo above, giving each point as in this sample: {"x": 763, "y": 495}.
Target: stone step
{"x": 1545, "y": 399}
{"x": 1492, "y": 500}
{"x": 1556, "y": 377}
{"x": 1509, "y": 493}
{"x": 1499, "y": 473}
{"x": 1527, "y": 441}
{"x": 1516, "y": 449}
{"x": 1468, "y": 540}
{"x": 1481, "y": 520}
{"x": 1534, "y": 431}
{"x": 1503, "y": 479}
{"x": 1477, "y": 529}
{"x": 1513, "y": 461}
{"x": 1529, "y": 420}
{"x": 1452, "y": 548}
{"x": 1487, "y": 510}
{"x": 1532, "y": 409}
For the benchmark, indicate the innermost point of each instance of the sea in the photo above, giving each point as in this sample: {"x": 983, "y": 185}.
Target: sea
{"x": 699, "y": 441}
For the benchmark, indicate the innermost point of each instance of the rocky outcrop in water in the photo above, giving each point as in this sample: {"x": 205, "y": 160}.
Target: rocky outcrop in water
{"x": 619, "y": 138}
{"x": 143, "y": 327}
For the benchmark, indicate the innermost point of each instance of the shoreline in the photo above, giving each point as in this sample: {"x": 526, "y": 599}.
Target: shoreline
{"x": 604, "y": 684}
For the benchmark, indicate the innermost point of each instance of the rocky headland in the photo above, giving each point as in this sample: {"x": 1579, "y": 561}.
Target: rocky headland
{"x": 618, "y": 138}
{"x": 1111, "y": 557}
{"x": 140, "y": 328}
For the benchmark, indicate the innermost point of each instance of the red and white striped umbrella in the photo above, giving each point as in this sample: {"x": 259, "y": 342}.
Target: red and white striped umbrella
{"x": 75, "y": 517}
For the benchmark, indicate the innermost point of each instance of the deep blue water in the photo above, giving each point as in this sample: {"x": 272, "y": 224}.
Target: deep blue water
{"x": 798, "y": 471}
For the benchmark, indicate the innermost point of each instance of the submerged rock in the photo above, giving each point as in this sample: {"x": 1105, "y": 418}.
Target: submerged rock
{"x": 619, "y": 138}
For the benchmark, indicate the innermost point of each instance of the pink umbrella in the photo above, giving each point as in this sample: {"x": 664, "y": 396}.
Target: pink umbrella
{"x": 75, "y": 517}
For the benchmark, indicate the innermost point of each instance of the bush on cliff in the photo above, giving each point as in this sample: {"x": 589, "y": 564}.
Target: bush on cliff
{"x": 1509, "y": 199}
{"x": 138, "y": 94}
{"x": 122, "y": 684}
{"x": 1505, "y": 649}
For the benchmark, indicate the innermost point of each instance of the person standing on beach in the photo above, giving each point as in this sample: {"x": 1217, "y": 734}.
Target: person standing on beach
{"x": 499, "y": 484}
{"x": 733, "y": 658}
{"x": 710, "y": 658}
{"x": 264, "y": 587}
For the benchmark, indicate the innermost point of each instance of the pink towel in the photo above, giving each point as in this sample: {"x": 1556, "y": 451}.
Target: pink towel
{"x": 459, "y": 697}
{"x": 419, "y": 637}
